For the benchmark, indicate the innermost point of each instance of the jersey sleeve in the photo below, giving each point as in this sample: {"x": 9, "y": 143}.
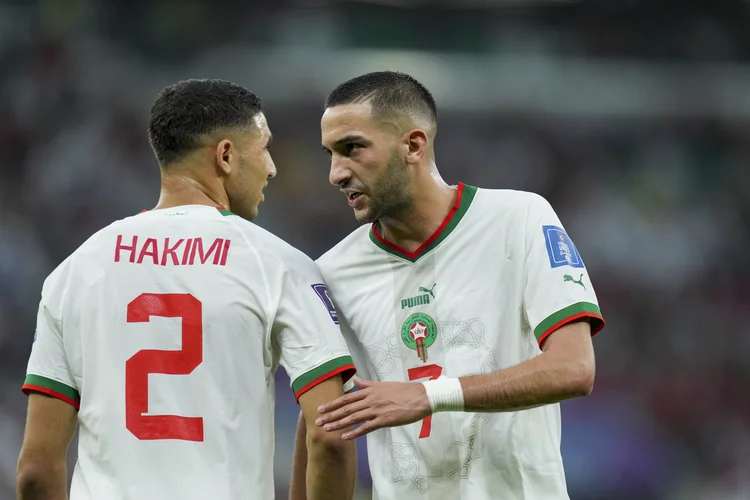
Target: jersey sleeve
{"x": 557, "y": 286}
{"x": 357, "y": 353}
{"x": 48, "y": 371}
{"x": 306, "y": 328}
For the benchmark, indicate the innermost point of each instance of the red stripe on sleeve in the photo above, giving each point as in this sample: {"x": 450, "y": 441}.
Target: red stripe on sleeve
{"x": 564, "y": 322}
{"x": 28, "y": 388}
{"x": 347, "y": 370}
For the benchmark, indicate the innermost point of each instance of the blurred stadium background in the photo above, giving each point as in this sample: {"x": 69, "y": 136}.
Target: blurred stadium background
{"x": 631, "y": 117}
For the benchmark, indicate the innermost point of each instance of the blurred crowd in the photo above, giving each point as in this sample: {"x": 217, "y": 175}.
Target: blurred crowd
{"x": 658, "y": 208}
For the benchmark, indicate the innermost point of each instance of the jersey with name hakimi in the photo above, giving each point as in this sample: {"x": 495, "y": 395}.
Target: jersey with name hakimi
{"x": 497, "y": 277}
{"x": 165, "y": 330}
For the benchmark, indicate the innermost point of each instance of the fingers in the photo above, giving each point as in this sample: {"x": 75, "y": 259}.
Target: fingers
{"x": 356, "y": 417}
{"x": 337, "y": 416}
{"x": 364, "y": 429}
{"x": 341, "y": 402}
{"x": 361, "y": 383}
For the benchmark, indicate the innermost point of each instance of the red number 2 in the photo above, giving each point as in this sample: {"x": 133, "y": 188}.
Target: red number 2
{"x": 182, "y": 362}
{"x": 430, "y": 372}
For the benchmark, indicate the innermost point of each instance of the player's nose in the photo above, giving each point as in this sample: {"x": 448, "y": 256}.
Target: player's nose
{"x": 339, "y": 173}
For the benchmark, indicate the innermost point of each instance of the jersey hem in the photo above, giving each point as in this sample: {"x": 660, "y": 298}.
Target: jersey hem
{"x": 30, "y": 388}
{"x": 568, "y": 314}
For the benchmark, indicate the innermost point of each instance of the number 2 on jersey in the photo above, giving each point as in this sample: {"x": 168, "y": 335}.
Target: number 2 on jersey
{"x": 146, "y": 361}
{"x": 430, "y": 372}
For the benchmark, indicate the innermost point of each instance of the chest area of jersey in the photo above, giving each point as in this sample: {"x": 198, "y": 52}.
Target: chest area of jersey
{"x": 428, "y": 312}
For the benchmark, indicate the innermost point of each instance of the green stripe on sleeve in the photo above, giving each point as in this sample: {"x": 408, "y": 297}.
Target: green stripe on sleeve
{"x": 53, "y": 385}
{"x": 320, "y": 371}
{"x": 581, "y": 309}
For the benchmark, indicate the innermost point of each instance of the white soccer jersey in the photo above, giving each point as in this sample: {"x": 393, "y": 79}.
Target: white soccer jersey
{"x": 480, "y": 295}
{"x": 165, "y": 329}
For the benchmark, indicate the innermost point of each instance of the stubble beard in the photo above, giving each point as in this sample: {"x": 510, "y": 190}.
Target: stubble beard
{"x": 390, "y": 196}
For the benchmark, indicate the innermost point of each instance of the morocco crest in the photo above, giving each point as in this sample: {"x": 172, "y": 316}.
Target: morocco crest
{"x": 419, "y": 332}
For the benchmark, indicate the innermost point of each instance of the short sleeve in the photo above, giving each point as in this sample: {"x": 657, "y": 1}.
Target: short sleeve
{"x": 306, "y": 328}
{"x": 557, "y": 287}
{"x": 357, "y": 352}
{"x": 48, "y": 371}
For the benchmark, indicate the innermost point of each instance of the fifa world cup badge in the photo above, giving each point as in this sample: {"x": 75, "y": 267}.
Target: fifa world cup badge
{"x": 419, "y": 332}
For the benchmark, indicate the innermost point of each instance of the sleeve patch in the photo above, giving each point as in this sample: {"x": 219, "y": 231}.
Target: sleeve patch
{"x": 322, "y": 292}
{"x": 560, "y": 248}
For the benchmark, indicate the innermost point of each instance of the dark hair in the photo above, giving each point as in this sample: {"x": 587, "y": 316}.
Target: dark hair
{"x": 188, "y": 110}
{"x": 389, "y": 92}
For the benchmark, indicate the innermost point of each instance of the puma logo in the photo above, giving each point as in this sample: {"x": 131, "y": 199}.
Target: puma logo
{"x": 579, "y": 281}
{"x": 431, "y": 291}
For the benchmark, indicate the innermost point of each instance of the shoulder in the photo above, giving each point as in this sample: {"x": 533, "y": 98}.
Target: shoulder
{"x": 269, "y": 247}
{"x": 508, "y": 200}
{"x": 350, "y": 248}
{"x": 61, "y": 278}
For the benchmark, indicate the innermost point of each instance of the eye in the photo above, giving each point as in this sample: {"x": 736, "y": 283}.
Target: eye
{"x": 351, "y": 147}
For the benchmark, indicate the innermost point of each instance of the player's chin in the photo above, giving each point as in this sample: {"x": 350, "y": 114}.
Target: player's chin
{"x": 364, "y": 215}
{"x": 250, "y": 213}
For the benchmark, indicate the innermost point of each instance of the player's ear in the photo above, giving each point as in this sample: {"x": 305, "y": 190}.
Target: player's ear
{"x": 224, "y": 152}
{"x": 417, "y": 143}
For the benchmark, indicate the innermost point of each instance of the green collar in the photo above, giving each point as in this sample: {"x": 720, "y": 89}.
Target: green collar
{"x": 463, "y": 201}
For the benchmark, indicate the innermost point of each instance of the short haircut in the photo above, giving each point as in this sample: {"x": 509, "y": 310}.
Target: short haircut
{"x": 187, "y": 111}
{"x": 389, "y": 92}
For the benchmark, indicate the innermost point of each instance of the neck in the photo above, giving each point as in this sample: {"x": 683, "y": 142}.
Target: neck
{"x": 178, "y": 190}
{"x": 432, "y": 199}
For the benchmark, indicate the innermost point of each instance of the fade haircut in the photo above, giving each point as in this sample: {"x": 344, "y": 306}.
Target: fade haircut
{"x": 390, "y": 94}
{"x": 186, "y": 112}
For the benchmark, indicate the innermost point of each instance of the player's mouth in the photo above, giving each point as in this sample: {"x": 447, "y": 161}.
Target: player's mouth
{"x": 353, "y": 197}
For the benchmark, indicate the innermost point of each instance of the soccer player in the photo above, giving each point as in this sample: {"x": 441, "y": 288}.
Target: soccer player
{"x": 469, "y": 310}
{"x": 159, "y": 337}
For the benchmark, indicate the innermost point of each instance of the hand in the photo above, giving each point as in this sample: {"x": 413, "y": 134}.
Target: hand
{"x": 378, "y": 405}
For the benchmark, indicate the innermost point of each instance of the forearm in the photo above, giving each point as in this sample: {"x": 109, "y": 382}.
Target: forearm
{"x": 331, "y": 468}
{"x": 48, "y": 483}
{"x": 297, "y": 488}
{"x": 543, "y": 380}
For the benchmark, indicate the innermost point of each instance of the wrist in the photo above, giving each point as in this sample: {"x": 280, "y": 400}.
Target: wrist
{"x": 444, "y": 394}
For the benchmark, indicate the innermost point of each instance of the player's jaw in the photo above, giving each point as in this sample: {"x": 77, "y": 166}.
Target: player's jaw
{"x": 388, "y": 195}
{"x": 246, "y": 194}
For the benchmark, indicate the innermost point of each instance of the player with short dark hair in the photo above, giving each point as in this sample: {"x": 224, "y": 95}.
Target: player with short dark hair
{"x": 390, "y": 94}
{"x": 186, "y": 112}
{"x": 469, "y": 310}
{"x": 160, "y": 336}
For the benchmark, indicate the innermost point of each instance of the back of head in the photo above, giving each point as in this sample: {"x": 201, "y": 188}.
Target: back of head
{"x": 393, "y": 96}
{"x": 187, "y": 112}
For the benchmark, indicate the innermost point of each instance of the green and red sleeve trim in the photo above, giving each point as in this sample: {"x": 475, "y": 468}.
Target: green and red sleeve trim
{"x": 44, "y": 385}
{"x": 342, "y": 365}
{"x": 568, "y": 314}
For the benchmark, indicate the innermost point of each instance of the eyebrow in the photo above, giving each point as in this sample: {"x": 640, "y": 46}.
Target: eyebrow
{"x": 347, "y": 139}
